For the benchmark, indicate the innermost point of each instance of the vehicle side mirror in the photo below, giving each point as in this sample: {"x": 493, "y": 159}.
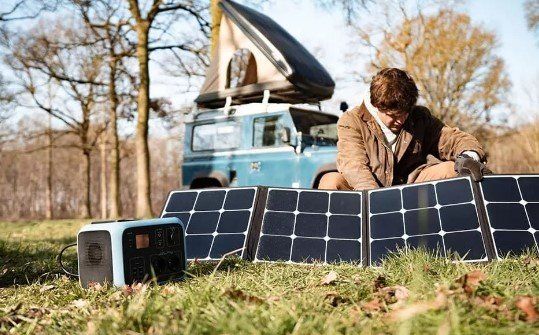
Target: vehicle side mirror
{"x": 285, "y": 135}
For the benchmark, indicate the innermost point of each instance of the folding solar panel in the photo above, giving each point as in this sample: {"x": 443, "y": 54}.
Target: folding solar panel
{"x": 512, "y": 212}
{"x": 217, "y": 221}
{"x": 306, "y": 226}
{"x": 440, "y": 216}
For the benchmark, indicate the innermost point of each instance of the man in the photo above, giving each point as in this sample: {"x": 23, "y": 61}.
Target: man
{"x": 389, "y": 140}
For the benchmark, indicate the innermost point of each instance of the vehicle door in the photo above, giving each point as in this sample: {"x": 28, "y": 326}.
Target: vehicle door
{"x": 272, "y": 161}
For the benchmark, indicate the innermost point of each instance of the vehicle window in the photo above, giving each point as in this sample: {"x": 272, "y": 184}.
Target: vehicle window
{"x": 216, "y": 136}
{"x": 267, "y": 131}
{"x": 317, "y": 128}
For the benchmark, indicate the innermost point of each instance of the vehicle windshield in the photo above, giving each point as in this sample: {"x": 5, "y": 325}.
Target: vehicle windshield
{"x": 316, "y": 128}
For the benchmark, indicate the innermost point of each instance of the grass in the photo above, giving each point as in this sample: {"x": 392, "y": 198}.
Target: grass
{"x": 412, "y": 293}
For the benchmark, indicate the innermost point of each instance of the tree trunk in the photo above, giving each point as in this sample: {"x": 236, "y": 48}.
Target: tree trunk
{"x": 86, "y": 208}
{"x": 48, "y": 192}
{"x": 144, "y": 209}
{"x": 115, "y": 200}
{"x": 103, "y": 177}
{"x": 216, "y": 14}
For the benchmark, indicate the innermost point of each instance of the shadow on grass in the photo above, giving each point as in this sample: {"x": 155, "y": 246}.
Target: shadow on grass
{"x": 25, "y": 262}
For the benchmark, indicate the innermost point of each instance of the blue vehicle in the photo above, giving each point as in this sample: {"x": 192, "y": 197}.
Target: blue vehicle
{"x": 273, "y": 144}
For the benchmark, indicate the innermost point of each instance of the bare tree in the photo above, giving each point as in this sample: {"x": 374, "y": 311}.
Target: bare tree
{"x": 143, "y": 21}
{"x": 453, "y": 61}
{"x": 107, "y": 20}
{"x": 74, "y": 66}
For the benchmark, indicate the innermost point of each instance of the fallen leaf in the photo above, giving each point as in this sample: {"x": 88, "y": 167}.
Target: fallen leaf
{"x": 527, "y": 305}
{"x": 241, "y": 295}
{"x": 127, "y": 290}
{"x": 412, "y": 310}
{"x": 46, "y": 288}
{"x": 168, "y": 290}
{"x": 330, "y": 278}
{"x": 273, "y": 298}
{"x": 374, "y": 305}
{"x": 470, "y": 281}
{"x": 79, "y": 303}
{"x": 94, "y": 286}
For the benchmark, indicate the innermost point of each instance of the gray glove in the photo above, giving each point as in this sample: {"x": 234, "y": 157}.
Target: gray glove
{"x": 467, "y": 166}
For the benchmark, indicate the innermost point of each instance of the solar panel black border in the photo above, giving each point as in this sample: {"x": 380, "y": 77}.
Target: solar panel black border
{"x": 476, "y": 201}
{"x": 259, "y": 223}
{"x": 484, "y": 203}
{"x": 245, "y": 253}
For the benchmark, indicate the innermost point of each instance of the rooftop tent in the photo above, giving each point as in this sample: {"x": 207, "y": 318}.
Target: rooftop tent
{"x": 255, "y": 54}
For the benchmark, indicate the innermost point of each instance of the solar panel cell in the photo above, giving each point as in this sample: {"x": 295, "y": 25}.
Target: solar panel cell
{"x": 500, "y": 189}
{"x": 430, "y": 242}
{"x": 386, "y": 225}
{"x": 507, "y": 216}
{"x": 233, "y": 222}
{"x": 513, "y": 242}
{"x": 225, "y": 243}
{"x": 456, "y": 192}
{"x": 239, "y": 199}
{"x": 385, "y": 202}
{"x": 199, "y": 246}
{"x": 181, "y": 202}
{"x": 345, "y": 203}
{"x": 343, "y": 251}
{"x": 418, "y": 196}
{"x": 344, "y": 226}
{"x": 467, "y": 244}
{"x": 529, "y": 186}
{"x": 313, "y": 202}
{"x": 381, "y": 248}
{"x": 203, "y": 223}
{"x": 282, "y": 200}
{"x": 308, "y": 250}
{"x": 275, "y": 248}
{"x": 421, "y": 221}
{"x": 311, "y": 225}
{"x": 278, "y": 223}
{"x": 459, "y": 217}
{"x": 208, "y": 201}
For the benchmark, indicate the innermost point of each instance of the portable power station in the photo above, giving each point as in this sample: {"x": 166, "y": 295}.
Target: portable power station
{"x": 124, "y": 252}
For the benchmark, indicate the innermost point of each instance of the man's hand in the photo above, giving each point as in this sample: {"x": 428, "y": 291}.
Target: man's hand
{"x": 466, "y": 165}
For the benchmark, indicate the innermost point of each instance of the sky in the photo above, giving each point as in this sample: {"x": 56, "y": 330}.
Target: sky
{"x": 326, "y": 35}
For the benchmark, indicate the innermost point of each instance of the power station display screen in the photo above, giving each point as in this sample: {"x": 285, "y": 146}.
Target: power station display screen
{"x": 142, "y": 241}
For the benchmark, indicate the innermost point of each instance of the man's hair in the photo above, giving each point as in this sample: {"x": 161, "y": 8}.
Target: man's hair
{"x": 393, "y": 89}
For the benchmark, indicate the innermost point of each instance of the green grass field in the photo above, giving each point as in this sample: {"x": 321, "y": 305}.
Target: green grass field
{"x": 412, "y": 293}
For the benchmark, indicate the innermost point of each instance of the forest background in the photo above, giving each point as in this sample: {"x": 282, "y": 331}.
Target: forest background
{"x": 93, "y": 94}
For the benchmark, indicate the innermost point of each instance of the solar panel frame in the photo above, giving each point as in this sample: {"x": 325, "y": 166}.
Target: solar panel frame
{"x": 484, "y": 206}
{"x": 259, "y": 225}
{"x": 482, "y": 228}
{"x": 244, "y": 254}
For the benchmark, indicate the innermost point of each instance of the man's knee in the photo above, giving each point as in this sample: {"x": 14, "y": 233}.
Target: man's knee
{"x": 442, "y": 170}
{"x": 333, "y": 181}
{"x": 446, "y": 170}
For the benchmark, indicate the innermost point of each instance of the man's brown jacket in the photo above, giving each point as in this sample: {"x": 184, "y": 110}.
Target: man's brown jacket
{"x": 366, "y": 161}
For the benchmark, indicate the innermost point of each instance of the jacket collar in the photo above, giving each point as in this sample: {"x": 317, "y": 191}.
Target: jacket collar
{"x": 372, "y": 124}
{"x": 405, "y": 137}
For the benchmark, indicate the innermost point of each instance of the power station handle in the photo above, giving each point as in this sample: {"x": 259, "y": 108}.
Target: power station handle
{"x": 59, "y": 260}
